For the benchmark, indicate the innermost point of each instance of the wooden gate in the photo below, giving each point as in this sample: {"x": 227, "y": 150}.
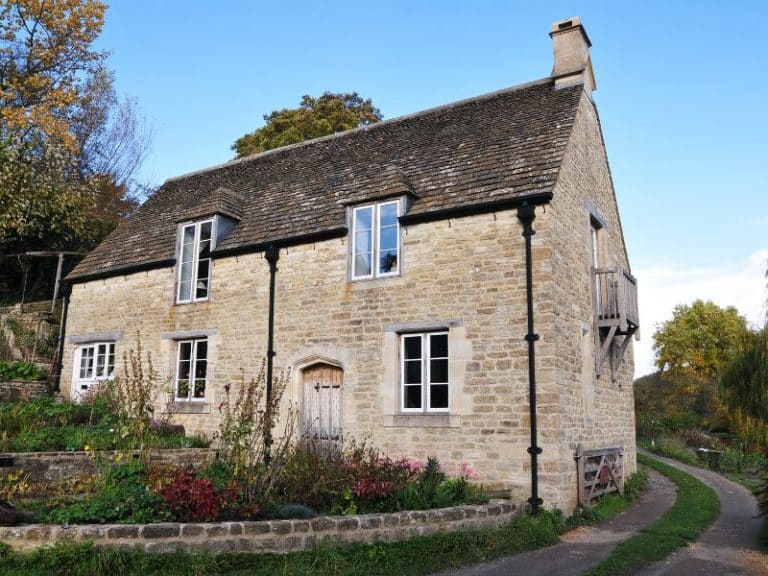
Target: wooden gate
{"x": 599, "y": 472}
{"x": 321, "y": 407}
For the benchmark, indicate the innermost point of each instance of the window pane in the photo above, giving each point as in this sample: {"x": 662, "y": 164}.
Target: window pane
{"x": 362, "y": 265}
{"x": 438, "y": 345}
{"x": 101, "y": 360}
{"x": 185, "y": 351}
{"x": 412, "y": 397}
{"x": 185, "y": 291}
{"x": 202, "y": 350}
{"x": 388, "y": 238}
{"x": 412, "y": 347}
{"x": 388, "y": 214}
{"x": 189, "y": 235}
{"x": 388, "y": 262}
{"x": 201, "y": 367}
{"x": 204, "y": 250}
{"x": 363, "y": 218}
{"x": 438, "y": 396}
{"x": 413, "y": 371}
{"x": 201, "y": 286}
{"x": 438, "y": 370}
{"x": 184, "y": 369}
{"x": 199, "y": 391}
{"x": 182, "y": 390}
{"x": 205, "y": 231}
{"x": 362, "y": 241}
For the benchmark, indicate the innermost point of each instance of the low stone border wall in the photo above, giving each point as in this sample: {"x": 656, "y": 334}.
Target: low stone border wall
{"x": 16, "y": 390}
{"x": 50, "y": 467}
{"x": 274, "y": 536}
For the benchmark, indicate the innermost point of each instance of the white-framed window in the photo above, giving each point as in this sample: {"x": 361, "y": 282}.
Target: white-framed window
{"x": 94, "y": 363}
{"x": 191, "y": 369}
{"x": 424, "y": 380}
{"x": 376, "y": 240}
{"x": 194, "y": 277}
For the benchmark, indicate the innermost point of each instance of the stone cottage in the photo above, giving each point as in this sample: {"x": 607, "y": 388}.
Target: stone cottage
{"x": 400, "y": 255}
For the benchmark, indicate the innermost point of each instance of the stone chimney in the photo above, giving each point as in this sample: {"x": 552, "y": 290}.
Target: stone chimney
{"x": 572, "y": 64}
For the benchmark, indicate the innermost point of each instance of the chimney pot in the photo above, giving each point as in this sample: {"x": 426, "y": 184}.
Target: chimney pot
{"x": 571, "y": 50}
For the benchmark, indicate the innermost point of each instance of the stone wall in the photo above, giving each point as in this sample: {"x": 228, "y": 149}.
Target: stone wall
{"x": 53, "y": 467}
{"x": 466, "y": 274}
{"x": 580, "y": 408}
{"x": 274, "y": 536}
{"x": 22, "y": 390}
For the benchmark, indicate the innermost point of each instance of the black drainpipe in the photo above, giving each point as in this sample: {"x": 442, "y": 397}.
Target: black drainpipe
{"x": 272, "y": 254}
{"x": 67, "y": 290}
{"x": 526, "y": 214}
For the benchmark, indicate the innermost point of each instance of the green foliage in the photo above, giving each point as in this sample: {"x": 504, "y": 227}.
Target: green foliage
{"x": 692, "y": 349}
{"x": 21, "y": 370}
{"x": 744, "y": 384}
{"x": 44, "y": 424}
{"x": 695, "y": 508}
{"x": 315, "y": 117}
{"x": 27, "y": 340}
{"x": 122, "y": 497}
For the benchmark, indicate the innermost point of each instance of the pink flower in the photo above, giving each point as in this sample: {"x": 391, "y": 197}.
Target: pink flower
{"x": 414, "y": 465}
{"x": 467, "y": 471}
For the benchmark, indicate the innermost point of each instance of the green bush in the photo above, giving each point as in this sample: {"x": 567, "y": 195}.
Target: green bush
{"x": 21, "y": 370}
{"x": 122, "y": 497}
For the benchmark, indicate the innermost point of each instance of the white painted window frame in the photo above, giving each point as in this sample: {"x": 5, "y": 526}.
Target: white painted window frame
{"x": 192, "y": 370}
{"x": 94, "y": 378}
{"x": 375, "y": 240}
{"x": 195, "y": 260}
{"x": 426, "y": 376}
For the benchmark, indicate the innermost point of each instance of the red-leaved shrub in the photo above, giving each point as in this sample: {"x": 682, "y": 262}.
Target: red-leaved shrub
{"x": 190, "y": 498}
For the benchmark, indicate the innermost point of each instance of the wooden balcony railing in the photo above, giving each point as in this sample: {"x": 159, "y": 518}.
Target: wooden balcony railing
{"x": 616, "y": 300}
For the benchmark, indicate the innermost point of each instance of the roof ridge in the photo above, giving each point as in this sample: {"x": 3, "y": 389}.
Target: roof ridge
{"x": 374, "y": 126}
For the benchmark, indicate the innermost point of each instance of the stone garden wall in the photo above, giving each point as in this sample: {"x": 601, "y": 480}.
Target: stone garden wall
{"x": 272, "y": 536}
{"x": 50, "y": 467}
{"x": 18, "y": 390}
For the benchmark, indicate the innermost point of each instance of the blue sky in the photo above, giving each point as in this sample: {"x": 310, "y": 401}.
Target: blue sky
{"x": 682, "y": 89}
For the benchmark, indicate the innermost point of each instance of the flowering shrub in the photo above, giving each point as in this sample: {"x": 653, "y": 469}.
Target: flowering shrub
{"x": 191, "y": 498}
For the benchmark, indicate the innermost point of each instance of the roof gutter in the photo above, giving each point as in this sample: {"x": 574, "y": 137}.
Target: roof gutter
{"x": 535, "y": 199}
{"x": 79, "y": 279}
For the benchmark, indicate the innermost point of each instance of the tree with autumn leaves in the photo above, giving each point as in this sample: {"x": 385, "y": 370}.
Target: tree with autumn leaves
{"x": 69, "y": 147}
{"x": 67, "y": 142}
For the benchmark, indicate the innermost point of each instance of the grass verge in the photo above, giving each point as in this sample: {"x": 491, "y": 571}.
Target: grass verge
{"x": 417, "y": 556}
{"x": 695, "y": 509}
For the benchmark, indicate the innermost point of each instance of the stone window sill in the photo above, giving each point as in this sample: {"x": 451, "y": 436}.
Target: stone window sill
{"x": 422, "y": 420}
{"x": 180, "y": 407}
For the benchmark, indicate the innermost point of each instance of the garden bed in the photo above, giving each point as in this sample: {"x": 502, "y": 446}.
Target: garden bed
{"x": 274, "y": 536}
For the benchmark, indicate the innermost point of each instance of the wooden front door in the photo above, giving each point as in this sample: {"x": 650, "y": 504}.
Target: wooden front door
{"x": 321, "y": 408}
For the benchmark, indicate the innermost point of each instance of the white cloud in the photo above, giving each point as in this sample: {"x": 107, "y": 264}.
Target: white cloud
{"x": 663, "y": 287}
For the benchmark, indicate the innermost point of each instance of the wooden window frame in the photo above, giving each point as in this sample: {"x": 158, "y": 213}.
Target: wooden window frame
{"x": 426, "y": 376}
{"x": 375, "y": 240}
{"x": 193, "y": 359}
{"x": 195, "y": 260}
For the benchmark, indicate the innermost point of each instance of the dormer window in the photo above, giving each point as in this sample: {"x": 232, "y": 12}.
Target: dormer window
{"x": 195, "y": 245}
{"x": 376, "y": 240}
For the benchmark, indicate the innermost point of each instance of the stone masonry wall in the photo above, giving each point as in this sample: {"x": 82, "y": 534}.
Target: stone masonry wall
{"x": 274, "y": 536}
{"x": 467, "y": 274}
{"x": 594, "y": 412}
{"x": 53, "y": 467}
{"x": 16, "y": 390}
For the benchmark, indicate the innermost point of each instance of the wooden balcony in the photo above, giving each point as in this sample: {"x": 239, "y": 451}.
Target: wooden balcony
{"x": 616, "y": 299}
{"x": 616, "y": 314}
